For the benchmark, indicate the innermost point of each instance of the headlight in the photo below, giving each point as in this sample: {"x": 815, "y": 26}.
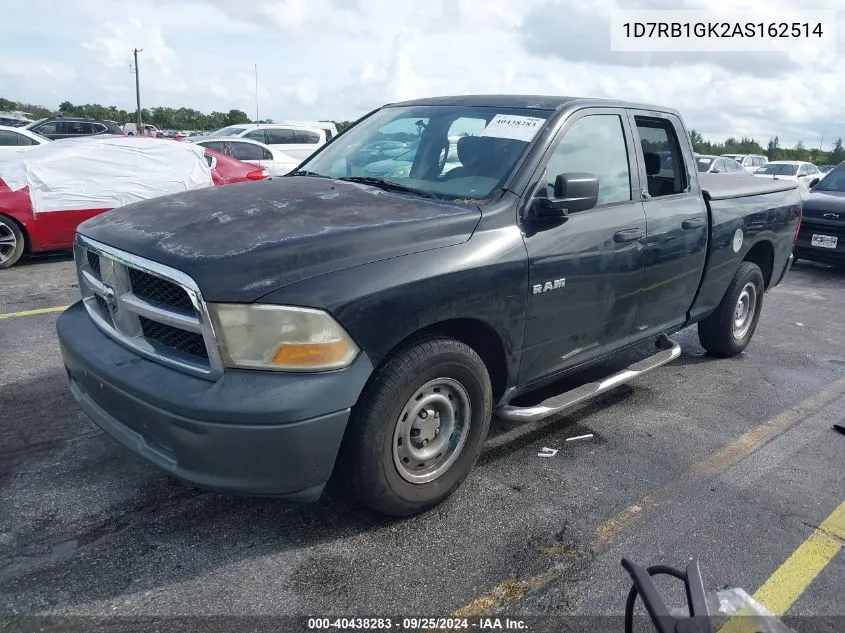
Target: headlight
{"x": 281, "y": 338}
{"x": 402, "y": 172}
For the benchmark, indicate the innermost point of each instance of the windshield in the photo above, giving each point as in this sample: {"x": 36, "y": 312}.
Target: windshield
{"x": 228, "y": 131}
{"x": 778, "y": 170}
{"x": 833, "y": 181}
{"x": 450, "y": 152}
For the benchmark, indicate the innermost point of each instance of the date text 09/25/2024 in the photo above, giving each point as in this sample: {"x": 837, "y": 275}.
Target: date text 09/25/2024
{"x": 417, "y": 624}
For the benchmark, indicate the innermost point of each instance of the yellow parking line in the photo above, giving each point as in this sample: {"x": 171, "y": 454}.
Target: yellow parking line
{"x": 624, "y": 521}
{"x": 9, "y": 315}
{"x": 790, "y": 580}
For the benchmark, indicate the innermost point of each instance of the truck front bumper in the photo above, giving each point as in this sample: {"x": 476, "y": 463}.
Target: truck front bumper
{"x": 250, "y": 432}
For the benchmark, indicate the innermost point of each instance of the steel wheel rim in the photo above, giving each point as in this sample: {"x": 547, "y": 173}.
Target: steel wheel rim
{"x": 746, "y": 306}
{"x": 8, "y": 243}
{"x": 431, "y": 430}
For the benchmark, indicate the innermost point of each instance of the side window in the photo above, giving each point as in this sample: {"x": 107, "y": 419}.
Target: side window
{"x": 246, "y": 151}
{"x": 329, "y": 135}
{"x": 664, "y": 163}
{"x": 802, "y": 170}
{"x": 47, "y": 128}
{"x": 594, "y": 144}
{"x": 732, "y": 166}
{"x": 78, "y": 128}
{"x": 257, "y": 135}
{"x": 721, "y": 165}
{"x": 758, "y": 161}
{"x": 216, "y": 146}
{"x": 304, "y": 137}
{"x": 8, "y": 139}
{"x": 280, "y": 137}
{"x": 266, "y": 154}
{"x": 97, "y": 128}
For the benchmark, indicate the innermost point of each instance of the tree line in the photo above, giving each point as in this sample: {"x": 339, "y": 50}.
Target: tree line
{"x": 163, "y": 118}
{"x": 166, "y": 118}
{"x": 773, "y": 149}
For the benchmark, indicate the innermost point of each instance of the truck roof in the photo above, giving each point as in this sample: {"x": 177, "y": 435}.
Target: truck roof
{"x": 537, "y": 102}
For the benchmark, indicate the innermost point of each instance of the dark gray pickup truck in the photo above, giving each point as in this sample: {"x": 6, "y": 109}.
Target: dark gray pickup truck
{"x": 368, "y": 314}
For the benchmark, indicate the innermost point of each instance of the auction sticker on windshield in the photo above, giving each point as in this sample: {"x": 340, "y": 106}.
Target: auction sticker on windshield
{"x": 520, "y": 128}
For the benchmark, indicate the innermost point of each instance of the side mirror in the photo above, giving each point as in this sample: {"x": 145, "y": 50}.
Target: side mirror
{"x": 716, "y": 171}
{"x": 573, "y": 192}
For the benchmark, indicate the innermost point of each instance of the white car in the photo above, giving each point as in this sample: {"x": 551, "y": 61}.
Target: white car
{"x": 276, "y": 163}
{"x": 805, "y": 174}
{"x": 294, "y": 140}
{"x": 16, "y": 139}
{"x": 327, "y": 126}
{"x": 749, "y": 162}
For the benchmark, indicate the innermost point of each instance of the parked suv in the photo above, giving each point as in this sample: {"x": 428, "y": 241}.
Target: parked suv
{"x": 298, "y": 141}
{"x": 749, "y": 162}
{"x": 72, "y": 127}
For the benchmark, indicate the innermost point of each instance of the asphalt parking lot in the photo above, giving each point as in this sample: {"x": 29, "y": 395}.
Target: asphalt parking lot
{"x": 731, "y": 460}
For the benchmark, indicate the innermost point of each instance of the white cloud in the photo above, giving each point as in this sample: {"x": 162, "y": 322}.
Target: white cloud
{"x": 339, "y": 59}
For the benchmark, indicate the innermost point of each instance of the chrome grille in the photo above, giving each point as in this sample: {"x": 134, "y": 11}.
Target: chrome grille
{"x": 153, "y": 309}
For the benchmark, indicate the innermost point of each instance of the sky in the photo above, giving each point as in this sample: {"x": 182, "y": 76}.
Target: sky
{"x": 338, "y": 59}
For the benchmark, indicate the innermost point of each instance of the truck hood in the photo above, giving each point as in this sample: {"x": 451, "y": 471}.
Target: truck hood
{"x": 240, "y": 242}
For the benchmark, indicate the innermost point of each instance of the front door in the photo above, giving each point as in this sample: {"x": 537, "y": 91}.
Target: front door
{"x": 585, "y": 270}
{"x": 676, "y": 218}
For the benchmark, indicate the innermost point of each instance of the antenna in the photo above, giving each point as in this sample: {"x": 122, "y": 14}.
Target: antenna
{"x": 257, "y": 119}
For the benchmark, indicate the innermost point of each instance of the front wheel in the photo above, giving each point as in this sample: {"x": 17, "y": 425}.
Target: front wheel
{"x": 729, "y": 329}
{"x": 11, "y": 242}
{"x": 418, "y": 428}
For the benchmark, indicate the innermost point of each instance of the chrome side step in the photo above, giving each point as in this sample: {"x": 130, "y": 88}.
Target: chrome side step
{"x": 669, "y": 351}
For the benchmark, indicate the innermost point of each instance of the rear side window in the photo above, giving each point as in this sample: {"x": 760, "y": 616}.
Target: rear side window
{"x": 97, "y": 128}
{"x": 216, "y": 146}
{"x": 256, "y": 135}
{"x": 280, "y": 137}
{"x": 329, "y": 135}
{"x": 304, "y": 137}
{"x": 664, "y": 161}
{"x": 247, "y": 151}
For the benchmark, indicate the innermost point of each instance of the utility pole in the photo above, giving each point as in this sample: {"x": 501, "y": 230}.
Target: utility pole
{"x": 822, "y": 142}
{"x": 138, "y": 92}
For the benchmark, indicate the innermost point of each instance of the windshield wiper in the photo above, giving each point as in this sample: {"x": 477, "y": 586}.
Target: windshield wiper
{"x": 306, "y": 173}
{"x": 388, "y": 185}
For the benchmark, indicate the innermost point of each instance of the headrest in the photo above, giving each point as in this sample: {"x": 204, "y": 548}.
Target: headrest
{"x": 471, "y": 149}
{"x": 652, "y": 163}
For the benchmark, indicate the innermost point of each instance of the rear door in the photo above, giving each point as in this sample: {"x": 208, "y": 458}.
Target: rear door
{"x": 676, "y": 222}
{"x": 588, "y": 265}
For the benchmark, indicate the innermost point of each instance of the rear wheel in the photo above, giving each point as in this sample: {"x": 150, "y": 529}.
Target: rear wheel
{"x": 418, "y": 428}
{"x": 729, "y": 329}
{"x": 12, "y": 242}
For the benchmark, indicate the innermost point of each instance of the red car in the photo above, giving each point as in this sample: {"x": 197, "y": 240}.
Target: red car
{"x": 23, "y": 230}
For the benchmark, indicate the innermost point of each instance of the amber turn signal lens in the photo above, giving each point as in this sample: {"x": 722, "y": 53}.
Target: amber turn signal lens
{"x": 316, "y": 354}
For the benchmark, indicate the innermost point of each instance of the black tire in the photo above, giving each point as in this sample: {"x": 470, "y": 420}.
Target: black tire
{"x": 368, "y": 464}
{"x": 10, "y": 253}
{"x": 718, "y": 333}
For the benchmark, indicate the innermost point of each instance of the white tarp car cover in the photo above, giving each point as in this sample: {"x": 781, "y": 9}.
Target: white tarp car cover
{"x": 101, "y": 172}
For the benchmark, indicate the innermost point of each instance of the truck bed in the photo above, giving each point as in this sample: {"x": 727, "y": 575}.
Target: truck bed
{"x": 725, "y": 186}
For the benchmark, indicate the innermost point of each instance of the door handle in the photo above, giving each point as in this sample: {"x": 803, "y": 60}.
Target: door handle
{"x": 628, "y": 235}
{"x": 696, "y": 223}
